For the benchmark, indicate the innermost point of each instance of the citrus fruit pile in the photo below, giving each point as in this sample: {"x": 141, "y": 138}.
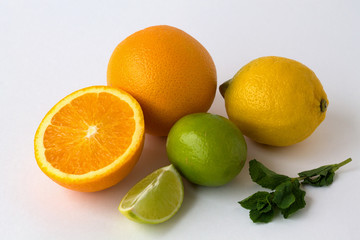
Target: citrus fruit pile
{"x": 162, "y": 81}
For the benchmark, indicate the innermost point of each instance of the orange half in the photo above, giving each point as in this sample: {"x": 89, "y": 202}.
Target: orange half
{"x": 91, "y": 139}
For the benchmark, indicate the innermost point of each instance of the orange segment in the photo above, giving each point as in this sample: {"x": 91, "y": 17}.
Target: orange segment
{"x": 91, "y": 139}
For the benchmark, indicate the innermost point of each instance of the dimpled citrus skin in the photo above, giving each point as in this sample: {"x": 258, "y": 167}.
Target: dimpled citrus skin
{"x": 167, "y": 71}
{"x": 207, "y": 149}
{"x": 276, "y": 101}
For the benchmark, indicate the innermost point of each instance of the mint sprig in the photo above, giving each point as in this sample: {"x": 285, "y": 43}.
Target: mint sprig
{"x": 287, "y": 196}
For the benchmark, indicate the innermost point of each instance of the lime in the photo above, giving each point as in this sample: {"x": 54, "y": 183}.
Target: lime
{"x": 207, "y": 149}
{"x": 154, "y": 199}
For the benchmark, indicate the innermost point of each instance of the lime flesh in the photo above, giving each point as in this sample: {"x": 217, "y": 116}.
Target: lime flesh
{"x": 154, "y": 199}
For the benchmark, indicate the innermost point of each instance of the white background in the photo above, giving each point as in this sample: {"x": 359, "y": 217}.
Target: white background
{"x": 49, "y": 49}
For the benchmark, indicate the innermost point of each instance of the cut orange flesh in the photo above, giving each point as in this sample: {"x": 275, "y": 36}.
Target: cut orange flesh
{"x": 91, "y": 139}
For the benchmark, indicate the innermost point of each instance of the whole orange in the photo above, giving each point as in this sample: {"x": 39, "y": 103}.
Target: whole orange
{"x": 167, "y": 71}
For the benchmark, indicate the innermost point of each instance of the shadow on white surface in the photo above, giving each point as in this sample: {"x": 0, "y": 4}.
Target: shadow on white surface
{"x": 153, "y": 157}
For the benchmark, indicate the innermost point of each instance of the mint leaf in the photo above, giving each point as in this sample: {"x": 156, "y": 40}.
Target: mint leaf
{"x": 283, "y": 195}
{"x": 299, "y": 200}
{"x": 264, "y": 176}
{"x": 319, "y": 180}
{"x": 257, "y": 216}
{"x": 264, "y": 206}
{"x": 260, "y": 206}
{"x": 322, "y": 176}
{"x": 255, "y": 201}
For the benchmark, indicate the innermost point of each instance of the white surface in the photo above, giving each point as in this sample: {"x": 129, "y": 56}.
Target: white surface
{"x": 49, "y": 49}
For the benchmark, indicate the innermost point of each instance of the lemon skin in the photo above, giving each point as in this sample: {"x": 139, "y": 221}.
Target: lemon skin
{"x": 275, "y": 101}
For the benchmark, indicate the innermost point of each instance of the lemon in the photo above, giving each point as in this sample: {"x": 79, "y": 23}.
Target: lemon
{"x": 154, "y": 199}
{"x": 275, "y": 101}
{"x": 207, "y": 149}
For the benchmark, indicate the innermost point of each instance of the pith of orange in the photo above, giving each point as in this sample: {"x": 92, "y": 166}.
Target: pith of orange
{"x": 169, "y": 72}
{"x": 91, "y": 139}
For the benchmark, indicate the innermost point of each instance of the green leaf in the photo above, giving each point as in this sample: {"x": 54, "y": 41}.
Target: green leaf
{"x": 258, "y": 216}
{"x": 288, "y": 196}
{"x": 264, "y": 176}
{"x": 321, "y": 176}
{"x": 320, "y": 180}
{"x": 264, "y": 206}
{"x": 299, "y": 200}
{"x": 260, "y": 205}
{"x": 255, "y": 200}
{"x": 283, "y": 195}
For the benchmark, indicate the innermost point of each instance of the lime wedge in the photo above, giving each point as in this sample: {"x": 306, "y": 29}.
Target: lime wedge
{"x": 156, "y": 198}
